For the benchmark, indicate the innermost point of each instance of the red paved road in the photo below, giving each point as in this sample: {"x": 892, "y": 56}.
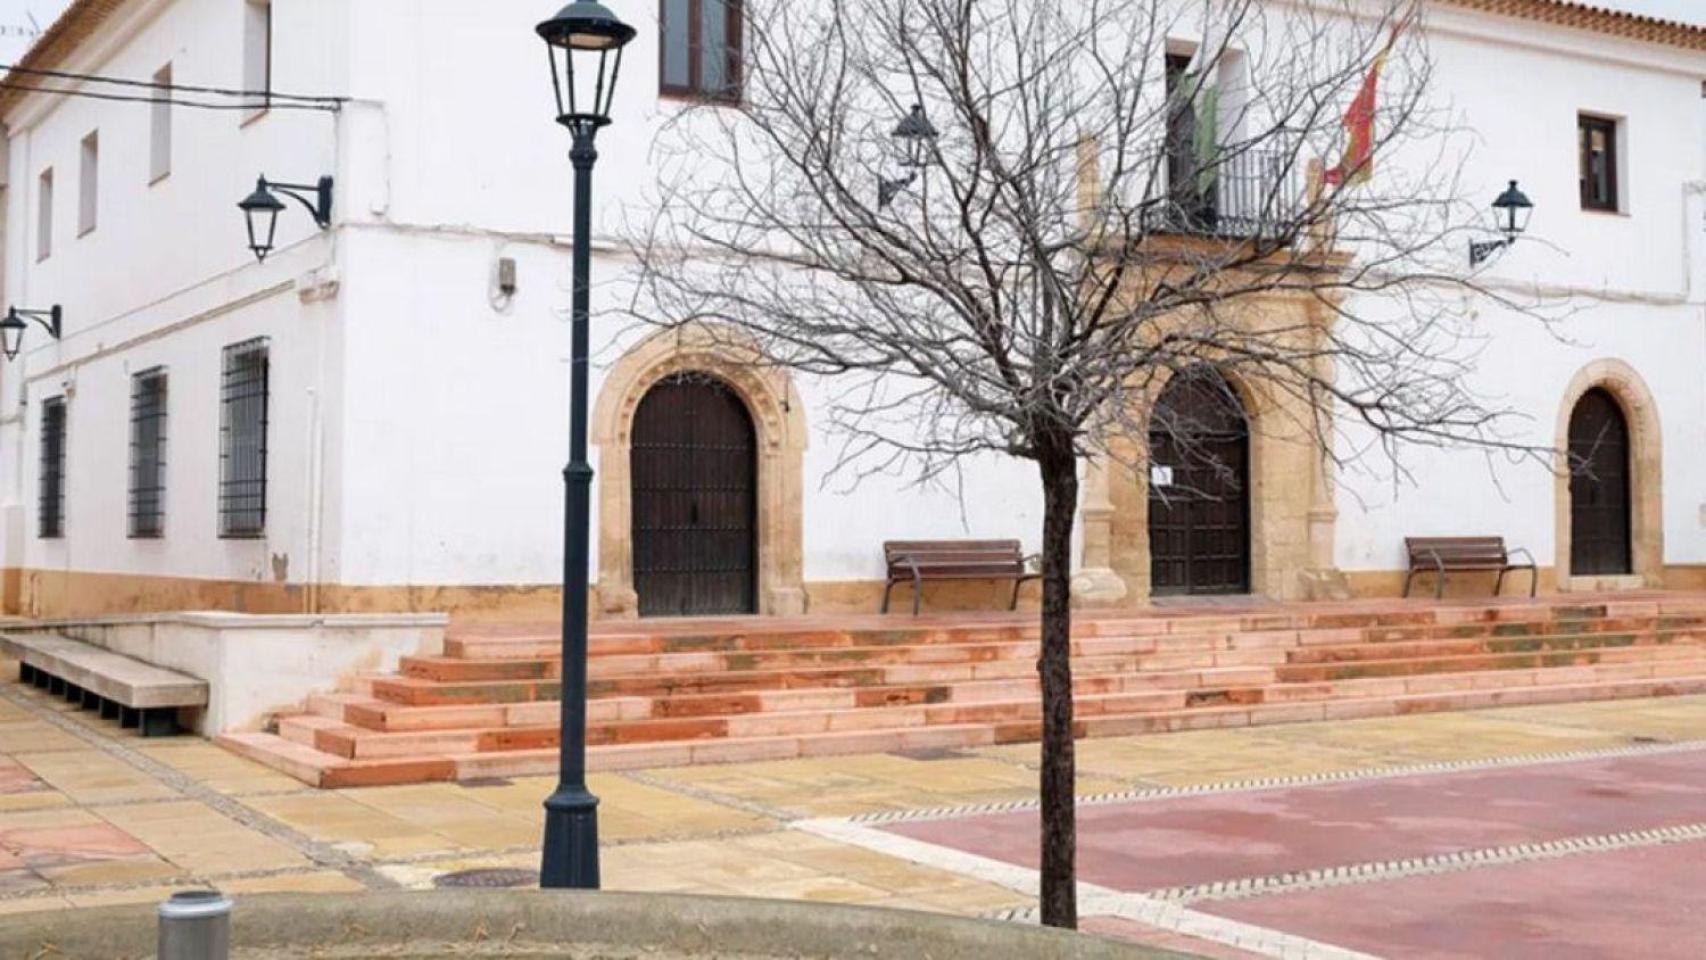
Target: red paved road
{"x": 1150, "y": 845}
{"x": 1643, "y": 904}
{"x": 1647, "y": 903}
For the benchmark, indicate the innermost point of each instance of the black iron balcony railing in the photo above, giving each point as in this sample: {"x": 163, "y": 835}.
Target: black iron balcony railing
{"x": 1243, "y": 195}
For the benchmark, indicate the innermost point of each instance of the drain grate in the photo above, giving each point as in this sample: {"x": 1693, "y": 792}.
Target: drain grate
{"x": 492, "y": 878}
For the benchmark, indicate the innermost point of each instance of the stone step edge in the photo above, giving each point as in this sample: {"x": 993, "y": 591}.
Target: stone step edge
{"x": 757, "y": 678}
{"x": 323, "y": 770}
{"x": 422, "y": 668}
{"x": 637, "y": 645}
{"x": 1186, "y": 679}
{"x": 1399, "y": 612}
{"x": 1266, "y": 696}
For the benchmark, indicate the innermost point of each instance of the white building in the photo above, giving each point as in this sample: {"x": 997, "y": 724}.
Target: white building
{"x": 408, "y": 451}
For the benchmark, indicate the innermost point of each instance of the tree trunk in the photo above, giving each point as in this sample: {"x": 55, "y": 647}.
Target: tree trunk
{"x": 1059, "y": 815}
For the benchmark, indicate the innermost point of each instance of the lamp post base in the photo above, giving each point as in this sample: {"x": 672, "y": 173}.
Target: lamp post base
{"x": 570, "y": 858}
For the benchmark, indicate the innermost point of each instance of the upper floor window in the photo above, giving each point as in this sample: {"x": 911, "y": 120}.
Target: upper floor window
{"x": 44, "y": 215}
{"x": 160, "y": 126}
{"x": 243, "y": 440}
{"x": 89, "y": 185}
{"x": 50, "y": 514}
{"x": 1597, "y": 137}
{"x": 257, "y": 52}
{"x": 148, "y": 454}
{"x": 701, "y": 49}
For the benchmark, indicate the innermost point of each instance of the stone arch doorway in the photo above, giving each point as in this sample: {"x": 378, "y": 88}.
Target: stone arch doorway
{"x": 778, "y": 426}
{"x": 1199, "y": 490}
{"x": 1605, "y": 406}
{"x": 1600, "y": 523}
{"x": 694, "y": 468}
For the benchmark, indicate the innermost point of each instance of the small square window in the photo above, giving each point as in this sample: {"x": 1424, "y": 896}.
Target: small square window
{"x": 700, "y": 52}
{"x": 160, "y": 126}
{"x": 1597, "y": 139}
{"x": 89, "y": 193}
{"x": 44, "y": 215}
{"x": 257, "y": 56}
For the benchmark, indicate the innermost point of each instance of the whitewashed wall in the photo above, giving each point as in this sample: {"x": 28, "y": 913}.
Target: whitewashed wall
{"x": 1627, "y": 285}
{"x": 419, "y": 421}
{"x": 165, "y": 279}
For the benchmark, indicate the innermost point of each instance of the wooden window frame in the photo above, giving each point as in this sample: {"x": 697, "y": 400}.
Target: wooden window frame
{"x": 1586, "y": 123}
{"x": 735, "y": 31}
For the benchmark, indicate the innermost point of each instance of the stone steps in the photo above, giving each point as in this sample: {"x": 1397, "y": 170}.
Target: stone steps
{"x": 711, "y": 691}
{"x": 323, "y": 769}
{"x": 352, "y": 741}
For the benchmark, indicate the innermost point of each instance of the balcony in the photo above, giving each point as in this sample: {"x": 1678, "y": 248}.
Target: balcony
{"x": 1250, "y": 194}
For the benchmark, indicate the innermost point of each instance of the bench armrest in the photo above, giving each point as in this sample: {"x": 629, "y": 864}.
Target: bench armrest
{"x": 1522, "y": 550}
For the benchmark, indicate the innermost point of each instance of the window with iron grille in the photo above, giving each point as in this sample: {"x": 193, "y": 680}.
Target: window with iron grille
{"x": 51, "y": 518}
{"x": 148, "y": 454}
{"x": 243, "y": 440}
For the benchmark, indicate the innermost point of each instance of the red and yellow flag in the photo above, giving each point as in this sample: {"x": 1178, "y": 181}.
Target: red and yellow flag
{"x": 1357, "y": 165}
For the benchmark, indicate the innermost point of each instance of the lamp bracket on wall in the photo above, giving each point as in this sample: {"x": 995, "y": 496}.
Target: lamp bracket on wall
{"x": 261, "y": 209}
{"x": 12, "y": 328}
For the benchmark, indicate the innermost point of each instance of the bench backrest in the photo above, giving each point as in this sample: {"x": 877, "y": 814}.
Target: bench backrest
{"x": 946, "y": 555}
{"x": 1456, "y": 550}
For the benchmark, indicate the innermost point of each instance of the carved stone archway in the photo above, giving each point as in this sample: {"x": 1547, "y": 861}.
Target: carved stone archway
{"x": 1291, "y": 519}
{"x": 779, "y": 422}
{"x": 1646, "y": 487}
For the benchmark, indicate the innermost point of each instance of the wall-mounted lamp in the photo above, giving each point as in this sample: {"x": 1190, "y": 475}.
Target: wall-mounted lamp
{"x": 918, "y": 138}
{"x": 12, "y": 328}
{"x": 262, "y": 208}
{"x": 1512, "y": 208}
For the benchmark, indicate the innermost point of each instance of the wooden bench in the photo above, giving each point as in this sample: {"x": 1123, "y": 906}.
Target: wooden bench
{"x": 918, "y": 561}
{"x": 1443, "y": 555}
{"x": 138, "y": 695}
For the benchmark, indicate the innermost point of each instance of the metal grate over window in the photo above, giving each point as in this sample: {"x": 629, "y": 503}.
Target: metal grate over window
{"x": 243, "y": 440}
{"x": 51, "y": 518}
{"x": 148, "y": 454}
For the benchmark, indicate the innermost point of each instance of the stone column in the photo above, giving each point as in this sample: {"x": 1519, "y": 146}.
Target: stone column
{"x": 1095, "y": 584}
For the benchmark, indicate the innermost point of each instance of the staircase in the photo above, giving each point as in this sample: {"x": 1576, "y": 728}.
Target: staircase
{"x": 709, "y": 691}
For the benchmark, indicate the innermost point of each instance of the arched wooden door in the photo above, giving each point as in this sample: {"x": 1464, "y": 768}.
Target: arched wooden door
{"x": 1600, "y": 525}
{"x": 1199, "y": 488}
{"x": 694, "y": 463}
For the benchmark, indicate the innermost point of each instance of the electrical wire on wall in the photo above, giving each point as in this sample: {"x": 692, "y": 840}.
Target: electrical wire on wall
{"x": 176, "y": 94}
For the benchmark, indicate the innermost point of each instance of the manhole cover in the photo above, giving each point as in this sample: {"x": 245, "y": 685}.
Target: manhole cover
{"x": 496, "y": 877}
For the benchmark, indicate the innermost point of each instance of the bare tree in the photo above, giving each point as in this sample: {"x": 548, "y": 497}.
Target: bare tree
{"x": 1102, "y": 194}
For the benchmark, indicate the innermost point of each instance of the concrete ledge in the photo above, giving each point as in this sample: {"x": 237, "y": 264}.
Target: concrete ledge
{"x": 113, "y": 676}
{"x": 256, "y": 666}
{"x": 566, "y": 925}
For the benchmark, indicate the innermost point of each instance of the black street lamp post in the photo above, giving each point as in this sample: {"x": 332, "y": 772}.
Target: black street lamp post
{"x": 586, "y": 32}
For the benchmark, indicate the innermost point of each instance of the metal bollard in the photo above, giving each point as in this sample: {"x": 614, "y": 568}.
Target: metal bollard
{"x": 195, "y": 925}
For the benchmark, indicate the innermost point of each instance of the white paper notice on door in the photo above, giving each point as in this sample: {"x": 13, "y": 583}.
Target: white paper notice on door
{"x": 1160, "y": 475}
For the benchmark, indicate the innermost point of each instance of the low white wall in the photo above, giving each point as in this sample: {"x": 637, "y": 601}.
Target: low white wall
{"x": 256, "y": 666}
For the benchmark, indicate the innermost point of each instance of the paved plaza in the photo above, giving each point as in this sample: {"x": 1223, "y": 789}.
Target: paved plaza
{"x": 1563, "y": 831}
